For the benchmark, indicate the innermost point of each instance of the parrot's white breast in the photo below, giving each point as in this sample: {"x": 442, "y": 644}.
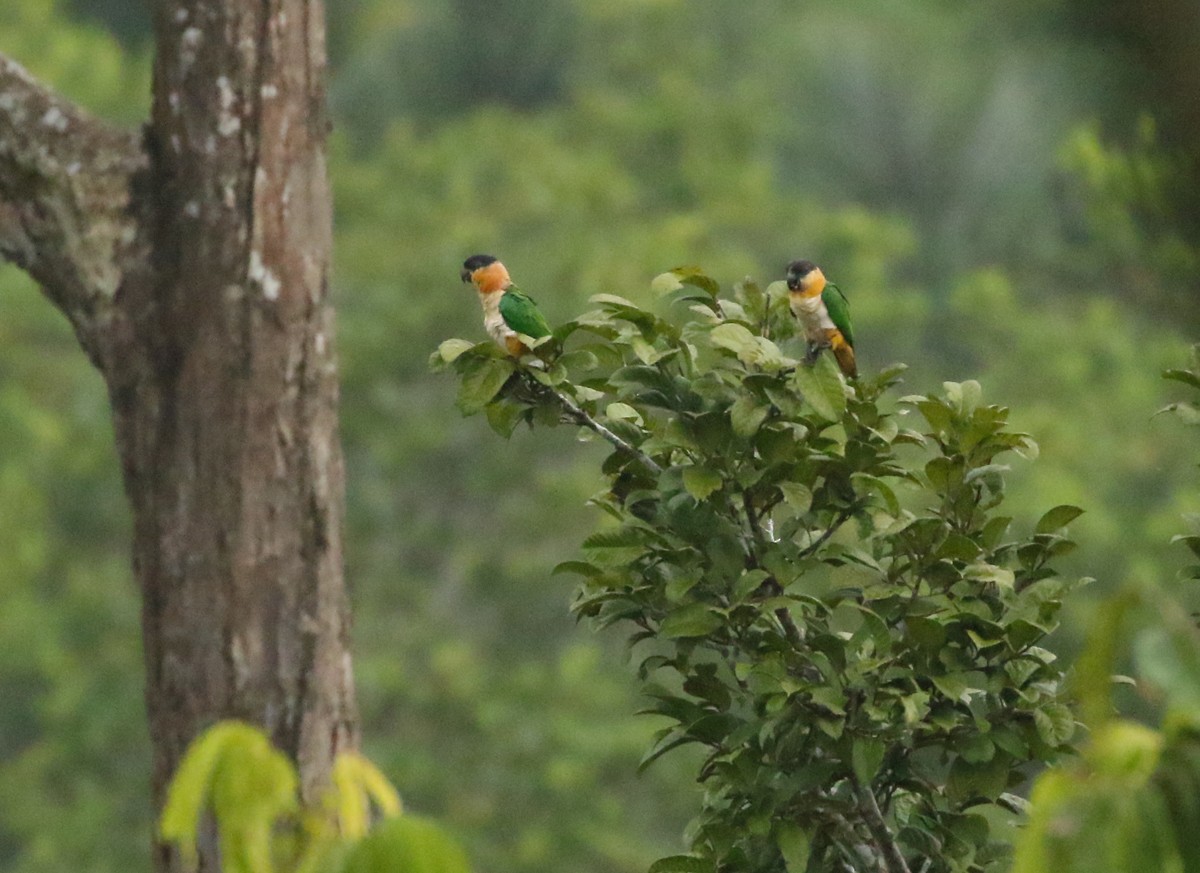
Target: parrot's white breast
{"x": 493, "y": 321}
{"x": 813, "y": 315}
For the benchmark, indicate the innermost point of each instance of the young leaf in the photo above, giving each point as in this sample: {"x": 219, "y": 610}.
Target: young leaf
{"x": 357, "y": 785}
{"x": 249, "y": 785}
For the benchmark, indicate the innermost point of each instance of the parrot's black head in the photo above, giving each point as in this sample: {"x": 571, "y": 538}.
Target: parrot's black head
{"x": 473, "y": 263}
{"x": 796, "y": 271}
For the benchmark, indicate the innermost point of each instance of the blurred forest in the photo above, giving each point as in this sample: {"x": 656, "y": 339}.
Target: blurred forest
{"x": 1006, "y": 191}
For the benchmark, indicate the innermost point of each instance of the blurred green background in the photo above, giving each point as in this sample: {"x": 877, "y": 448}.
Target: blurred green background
{"x": 1006, "y": 191}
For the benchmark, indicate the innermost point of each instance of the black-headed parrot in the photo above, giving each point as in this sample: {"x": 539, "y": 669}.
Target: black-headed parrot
{"x": 507, "y": 311}
{"x": 824, "y": 312}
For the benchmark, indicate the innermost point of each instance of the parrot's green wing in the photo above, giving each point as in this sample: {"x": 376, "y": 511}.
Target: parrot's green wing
{"x": 839, "y": 310}
{"x": 521, "y": 314}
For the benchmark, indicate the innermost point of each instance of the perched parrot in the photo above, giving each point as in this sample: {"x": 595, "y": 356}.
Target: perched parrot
{"x": 824, "y": 312}
{"x": 507, "y": 311}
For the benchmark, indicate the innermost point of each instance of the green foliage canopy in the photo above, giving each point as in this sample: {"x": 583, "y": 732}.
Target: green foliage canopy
{"x": 858, "y": 699}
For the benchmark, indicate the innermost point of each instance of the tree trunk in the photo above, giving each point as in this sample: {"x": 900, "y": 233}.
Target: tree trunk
{"x": 194, "y": 267}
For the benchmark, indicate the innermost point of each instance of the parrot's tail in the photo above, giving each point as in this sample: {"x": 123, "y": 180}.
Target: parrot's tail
{"x": 844, "y": 353}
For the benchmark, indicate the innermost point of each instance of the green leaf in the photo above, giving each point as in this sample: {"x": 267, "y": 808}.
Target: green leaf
{"x": 747, "y": 415}
{"x": 615, "y": 548}
{"x": 737, "y": 338}
{"x": 503, "y": 418}
{"x": 1058, "y": 518}
{"x": 692, "y": 620}
{"x": 927, "y": 633}
{"x": 696, "y": 278}
{"x": 916, "y": 707}
{"x": 669, "y": 739}
{"x": 866, "y": 756}
{"x": 614, "y": 300}
{"x": 623, "y": 412}
{"x": 232, "y": 768}
{"x": 679, "y": 586}
{"x": 958, "y": 547}
{"x": 821, "y": 386}
{"x": 1186, "y": 376}
{"x": 938, "y": 415}
{"x": 1055, "y": 724}
{"x": 964, "y": 396}
{"x": 482, "y": 382}
{"x": 1185, "y": 412}
{"x": 682, "y": 864}
{"x": 1000, "y": 576}
{"x": 450, "y": 349}
{"x": 832, "y": 699}
{"x": 795, "y": 844}
{"x": 747, "y": 584}
{"x": 798, "y": 496}
{"x": 976, "y": 748}
{"x": 700, "y": 482}
{"x": 583, "y": 568}
{"x": 357, "y": 788}
{"x": 408, "y": 844}
{"x": 984, "y": 779}
{"x": 647, "y": 353}
{"x": 953, "y": 685}
{"x": 665, "y": 283}
{"x": 752, "y": 350}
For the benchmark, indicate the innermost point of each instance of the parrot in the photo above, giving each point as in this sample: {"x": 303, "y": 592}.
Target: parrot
{"x": 507, "y": 310}
{"x": 825, "y": 314}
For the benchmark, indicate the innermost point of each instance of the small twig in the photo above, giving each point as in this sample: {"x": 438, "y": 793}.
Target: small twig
{"x": 842, "y": 518}
{"x": 771, "y": 588}
{"x": 579, "y": 416}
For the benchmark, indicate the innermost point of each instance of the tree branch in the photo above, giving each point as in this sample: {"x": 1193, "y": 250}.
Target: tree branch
{"x": 65, "y": 183}
{"x": 893, "y": 858}
{"x": 577, "y": 415}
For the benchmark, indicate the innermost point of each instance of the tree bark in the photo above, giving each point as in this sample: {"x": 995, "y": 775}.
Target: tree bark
{"x": 194, "y": 268}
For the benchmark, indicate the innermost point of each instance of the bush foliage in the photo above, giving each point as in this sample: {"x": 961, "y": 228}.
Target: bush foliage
{"x": 820, "y": 589}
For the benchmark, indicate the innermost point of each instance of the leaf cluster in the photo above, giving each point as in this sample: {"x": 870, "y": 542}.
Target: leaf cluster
{"x": 821, "y": 598}
{"x": 251, "y": 789}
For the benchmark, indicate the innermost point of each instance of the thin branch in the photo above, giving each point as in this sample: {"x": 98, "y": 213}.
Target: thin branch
{"x": 892, "y": 857}
{"x": 843, "y": 516}
{"x": 65, "y": 183}
{"x": 866, "y": 854}
{"x": 577, "y": 415}
{"x": 770, "y": 586}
